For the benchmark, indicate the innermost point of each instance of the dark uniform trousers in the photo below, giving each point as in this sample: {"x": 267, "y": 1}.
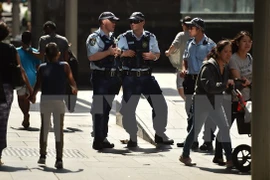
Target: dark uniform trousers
{"x": 135, "y": 85}
{"x": 105, "y": 87}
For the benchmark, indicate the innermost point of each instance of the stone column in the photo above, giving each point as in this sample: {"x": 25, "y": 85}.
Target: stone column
{"x": 260, "y": 92}
{"x": 71, "y": 24}
{"x": 15, "y": 18}
{"x": 37, "y": 20}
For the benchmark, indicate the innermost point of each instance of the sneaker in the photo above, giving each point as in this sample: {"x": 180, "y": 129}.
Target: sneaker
{"x": 107, "y": 144}
{"x": 187, "y": 161}
{"x": 58, "y": 164}
{"x": 195, "y": 146}
{"x": 41, "y": 160}
{"x": 207, "y": 146}
{"x": 97, "y": 145}
{"x": 229, "y": 164}
{"x": 131, "y": 144}
{"x": 219, "y": 161}
{"x": 180, "y": 144}
{"x": 163, "y": 140}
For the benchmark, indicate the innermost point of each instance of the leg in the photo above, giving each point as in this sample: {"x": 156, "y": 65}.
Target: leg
{"x": 24, "y": 105}
{"x": 200, "y": 115}
{"x": 179, "y": 85}
{"x": 131, "y": 97}
{"x": 4, "y": 115}
{"x": 208, "y": 135}
{"x": 224, "y": 130}
{"x": 45, "y": 114}
{"x": 58, "y": 121}
{"x": 155, "y": 98}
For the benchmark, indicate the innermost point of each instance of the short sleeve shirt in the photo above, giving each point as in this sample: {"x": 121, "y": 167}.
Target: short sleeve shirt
{"x": 244, "y": 67}
{"x": 195, "y": 54}
{"x": 61, "y": 42}
{"x": 95, "y": 44}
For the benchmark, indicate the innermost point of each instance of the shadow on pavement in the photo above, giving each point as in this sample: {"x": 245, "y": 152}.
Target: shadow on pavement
{"x": 50, "y": 169}
{"x": 5, "y": 168}
{"x": 25, "y": 129}
{"x": 223, "y": 171}
{"x": 67, "y": 130}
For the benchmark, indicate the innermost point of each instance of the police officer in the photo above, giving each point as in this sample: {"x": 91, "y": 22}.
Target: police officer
{"x": 195, "y": 53}
{"x": 101, "y": 52}
{"x": 139, "y": 50}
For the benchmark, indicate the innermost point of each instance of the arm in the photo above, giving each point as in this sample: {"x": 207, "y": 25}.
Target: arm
{"x": 154, "y": 52}
{"x": 24, "y": 76}
{"x": 207, "y": 79}
{"x": 36, "y": 87}
{"x": 71, "y": 80}
{"x": 175, "y": 44}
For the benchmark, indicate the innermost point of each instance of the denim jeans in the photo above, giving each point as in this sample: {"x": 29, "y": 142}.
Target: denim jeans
{"x": 104, "y": 90}
{"x": 133, "y": 87}
{"x": 203, "y": 110}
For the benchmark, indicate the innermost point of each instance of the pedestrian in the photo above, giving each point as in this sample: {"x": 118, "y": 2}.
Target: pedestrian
{"x": 101, "y": 52}
{"x": 139, "y": 50}
{"x": 176, "y": 51}
{"x": 51, "y": 79}
{"x": 8, "y": 56}
{"x": 212, "y": 81}
{"x": 30, "y": 65}
{"x": 195, "y": 53}
{"x": 240, "y": 68}
{"x": 50, "y": 35}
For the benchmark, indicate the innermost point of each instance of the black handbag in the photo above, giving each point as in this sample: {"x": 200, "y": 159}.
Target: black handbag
{"x": 15, "y": 69}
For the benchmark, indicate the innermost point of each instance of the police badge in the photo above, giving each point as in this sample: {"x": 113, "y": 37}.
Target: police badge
{"x": 144, "y": 44}
{"x": 92, "y": 41}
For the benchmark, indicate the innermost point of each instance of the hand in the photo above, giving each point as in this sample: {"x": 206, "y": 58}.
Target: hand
{"x": 183, "y": 73}
{"x": 149, "y": 56}
{"x": 246, "y": 82}
{"x": 128, "y": 53}
{"x": 230, "y": 82}
{"x": 74, "y": 91}
{"x": 32, "y": 98}
{"x": 167, "y": 53}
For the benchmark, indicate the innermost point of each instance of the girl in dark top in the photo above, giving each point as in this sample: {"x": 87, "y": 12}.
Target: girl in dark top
{"x": 211, "y": 83}
{"x": 51, "y": 78}
{"x": 7, "y": 54}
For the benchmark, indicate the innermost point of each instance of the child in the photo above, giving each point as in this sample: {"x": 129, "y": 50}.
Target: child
{"x": 51, "y": 78}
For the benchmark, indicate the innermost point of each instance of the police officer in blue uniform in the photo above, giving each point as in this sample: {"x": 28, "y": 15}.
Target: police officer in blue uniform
{"x": 101, "y": 52}
{"x": 139, "y": 50}
{"x": 195, "y": 53}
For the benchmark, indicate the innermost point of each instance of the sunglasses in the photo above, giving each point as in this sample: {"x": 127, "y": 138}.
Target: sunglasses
{"x": 135, "y": 21}
{"x": 112, "y": 20}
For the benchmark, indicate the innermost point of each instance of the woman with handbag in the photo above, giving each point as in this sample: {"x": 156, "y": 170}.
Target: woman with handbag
{"x": 8, "y": 82}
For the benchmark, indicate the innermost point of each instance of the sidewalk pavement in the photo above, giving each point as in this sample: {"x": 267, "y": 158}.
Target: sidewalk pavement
{"x": 82, "y": 162}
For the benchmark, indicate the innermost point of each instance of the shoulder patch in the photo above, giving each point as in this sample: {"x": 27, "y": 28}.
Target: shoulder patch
{"x": 92, "y": 41}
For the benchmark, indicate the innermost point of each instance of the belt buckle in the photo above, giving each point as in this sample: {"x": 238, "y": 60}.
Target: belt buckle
{"x": 112, "y": 73}
{"x": 138, "y": 73}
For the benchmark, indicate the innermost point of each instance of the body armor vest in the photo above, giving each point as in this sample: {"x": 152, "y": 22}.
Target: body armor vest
{"x": 107, "y": 62}
{"x": 139, "y": 47}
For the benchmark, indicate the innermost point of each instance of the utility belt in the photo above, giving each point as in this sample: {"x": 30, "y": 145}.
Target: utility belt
{"x": 192, "y": 76}
{"x": 137, "y": 73}
{"x": 189, "y": 83}
{"x": 106, "y": 73}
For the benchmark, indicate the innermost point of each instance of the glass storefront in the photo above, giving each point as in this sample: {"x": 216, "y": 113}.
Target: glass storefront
{"x": 217, "y": 6}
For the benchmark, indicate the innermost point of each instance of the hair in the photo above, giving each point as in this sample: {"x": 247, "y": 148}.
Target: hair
{"x": 186, "y": 19}
{"x": 26, "y": 37}
{"x": 4, "y": 31}
{"x": 218, "y": 48}
{"x": 238, "y": 38}
{"x": 51, "y": 50}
